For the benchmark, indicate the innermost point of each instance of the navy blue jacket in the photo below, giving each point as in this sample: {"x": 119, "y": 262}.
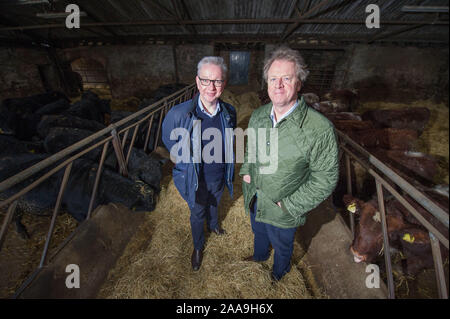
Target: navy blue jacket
{"x": 185, "y": 172}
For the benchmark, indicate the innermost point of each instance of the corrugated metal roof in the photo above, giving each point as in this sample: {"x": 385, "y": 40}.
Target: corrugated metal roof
{"x": 123, "y": 11}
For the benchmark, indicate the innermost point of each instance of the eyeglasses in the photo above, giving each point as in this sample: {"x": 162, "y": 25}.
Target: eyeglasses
{"x": 207, "y": 82}
{"x": 284, "y": 79}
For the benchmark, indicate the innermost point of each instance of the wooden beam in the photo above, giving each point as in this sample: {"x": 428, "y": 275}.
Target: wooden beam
{"x": 180, "y": 18}
{"x": 230, "y": 21}
{"x": 389, "y": 34}
{"x": 297, "y": 24}
{"x": 97, "y": 19}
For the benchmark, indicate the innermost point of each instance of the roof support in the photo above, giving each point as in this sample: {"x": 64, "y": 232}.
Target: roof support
{"x": 231, "y": 21}
{"x": 180, "y": 17}
{"x": 389, "y": 34}
{"x": 297, "y": 24}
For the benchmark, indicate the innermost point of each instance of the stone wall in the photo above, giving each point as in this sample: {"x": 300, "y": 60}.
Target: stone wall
{"x": 396, "y": 73}
{"x": 137, "y": 70}
{"x": 19, "y": 71}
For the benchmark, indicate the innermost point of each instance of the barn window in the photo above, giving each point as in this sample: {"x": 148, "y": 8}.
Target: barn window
{"x": 239, "y": 64}
{"x": 92, "y": 72}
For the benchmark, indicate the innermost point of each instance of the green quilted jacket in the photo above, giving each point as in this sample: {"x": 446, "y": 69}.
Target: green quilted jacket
{"x": 307, "y": 170}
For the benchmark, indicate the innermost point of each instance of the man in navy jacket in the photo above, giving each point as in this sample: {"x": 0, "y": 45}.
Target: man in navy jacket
{"x": 199, "y": 135}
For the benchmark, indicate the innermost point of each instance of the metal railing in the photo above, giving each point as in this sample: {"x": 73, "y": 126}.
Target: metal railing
{"x": 112, "y": 133}
{"x": 370, "y": 163}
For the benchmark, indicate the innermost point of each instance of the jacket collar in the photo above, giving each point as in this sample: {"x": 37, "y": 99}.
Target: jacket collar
{"x": 193, "y": 109}
{"x": 296, "y": 116}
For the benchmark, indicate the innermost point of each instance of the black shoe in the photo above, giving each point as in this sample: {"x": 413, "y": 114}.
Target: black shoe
{"x": 196, "y": 259}
{"x": 250, "y": 258}
{"x": 273, "y": 279}
{"x": 218, "y": 231}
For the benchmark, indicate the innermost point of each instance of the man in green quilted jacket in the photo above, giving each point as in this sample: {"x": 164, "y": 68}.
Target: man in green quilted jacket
{"x": 302, "y": 167}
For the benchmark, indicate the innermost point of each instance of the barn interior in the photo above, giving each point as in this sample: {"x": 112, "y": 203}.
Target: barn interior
{"x": 137, "y": 52}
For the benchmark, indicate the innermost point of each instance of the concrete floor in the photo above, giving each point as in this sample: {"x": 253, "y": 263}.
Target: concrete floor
{"x": 326, "y": 240}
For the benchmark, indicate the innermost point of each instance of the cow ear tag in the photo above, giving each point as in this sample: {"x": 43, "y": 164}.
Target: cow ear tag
{"x": 352, "y": 208}
{"x": 408, "y": 238}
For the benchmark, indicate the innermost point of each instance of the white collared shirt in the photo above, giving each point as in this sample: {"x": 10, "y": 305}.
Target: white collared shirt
{"x": 202, "y": 108}
{"x": 272, "y": 115}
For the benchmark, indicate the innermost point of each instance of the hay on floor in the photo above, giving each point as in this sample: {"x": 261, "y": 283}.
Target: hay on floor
{"x": 156, "y": 263}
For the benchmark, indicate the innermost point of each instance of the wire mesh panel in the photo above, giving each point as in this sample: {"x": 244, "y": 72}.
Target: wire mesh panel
{"x": 239, "y": 65}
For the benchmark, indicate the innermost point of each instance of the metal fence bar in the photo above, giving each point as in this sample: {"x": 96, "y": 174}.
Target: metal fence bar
{"x": 153, "y": 108}
{"x": 434, "y": 209}
{"x": 119, "y": 154}
{"x": 435, "y": 235}
{"x": 161, "y": 106}
{"x": 438, "y": 267}
{"x": 159, "y": 128}
{"x": 51, "y": 172}
{"x": 97, "y": 179}
{"x": 349, "y": 191}
{"x": 133, "y": 138}
{"x": 147, "y": 136}
{"x": 124, "y": 139}
{"x": 6, "y": 222}
{"x": 55, "y": 212}
{"x": 400, "y": 198}
{"x": 387, "y": 249}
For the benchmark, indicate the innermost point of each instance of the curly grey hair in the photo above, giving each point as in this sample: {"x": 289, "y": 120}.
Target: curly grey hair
{"x": 216, "y": 60}
{"x": 287, "y": 54}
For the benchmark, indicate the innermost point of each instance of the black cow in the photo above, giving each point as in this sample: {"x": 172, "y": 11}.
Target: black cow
{"x": 113, "y": 188}
{"x": 91, "y": 107}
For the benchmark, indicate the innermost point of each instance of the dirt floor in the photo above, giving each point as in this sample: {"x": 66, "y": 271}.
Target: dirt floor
{"x": 19, "y": 257}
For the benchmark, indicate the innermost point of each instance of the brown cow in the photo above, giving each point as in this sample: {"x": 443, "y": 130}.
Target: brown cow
{"x": 368, "y": 241}
{"x": 387, "y": 138}
{"x": 414, "y": 118}
{"x": 344, "y": 116}
{"x": 310, "y": 98}
{"x": 409, "y": 238}
{"x": 325, "y": 107}
{"x": 414, "y": 166}
{"x": 349, "y": 98}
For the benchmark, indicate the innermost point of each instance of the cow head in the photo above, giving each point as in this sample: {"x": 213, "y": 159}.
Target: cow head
{"x": 368, "y": 241}
{"x": 416, "y": 248}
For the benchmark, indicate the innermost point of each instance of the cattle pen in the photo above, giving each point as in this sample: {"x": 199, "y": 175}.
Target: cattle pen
{"x": 118, "y": 134}
{"x": 102, "y": 139}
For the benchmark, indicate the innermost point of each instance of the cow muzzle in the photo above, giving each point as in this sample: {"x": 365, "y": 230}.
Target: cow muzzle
{"x": 357, "y": 257}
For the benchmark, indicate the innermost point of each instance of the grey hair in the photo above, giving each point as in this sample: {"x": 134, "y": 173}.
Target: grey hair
{"x": 287, "y": 54}
{"x": 216, "y": 60}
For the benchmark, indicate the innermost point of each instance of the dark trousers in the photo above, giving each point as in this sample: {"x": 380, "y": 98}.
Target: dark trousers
{"x": 281, "y": 239}
{"x": 207, "y": 201}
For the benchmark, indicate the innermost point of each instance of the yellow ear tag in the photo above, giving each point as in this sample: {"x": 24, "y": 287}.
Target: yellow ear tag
{"x": 408, "y": 238}
{"x": 352, "y": 208}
